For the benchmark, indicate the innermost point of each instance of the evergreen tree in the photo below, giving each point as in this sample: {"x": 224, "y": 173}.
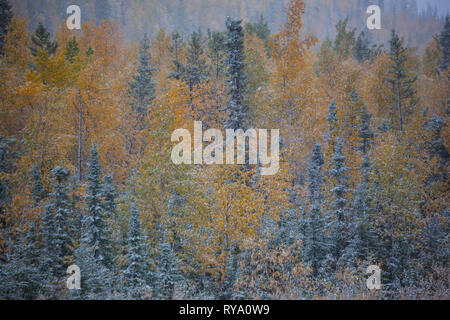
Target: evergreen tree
{"x": 195, "y": 70}
{"x": 48, "y": 268}
{"x": 72, "y": 50}
{"x": 260, "y": 28}
{"x": 365, "y": 132}
{"x": 41, "y": 40}
{"x": 339, "y": 215}
{"x": 142, "y": 88}
{"x": 402, "y": 83}
{"x": 332, "y": 115}
{"x": 109, "y": 193}
{"x": 95, "y": 282}
{"x": 216, "y": 45}
{"x": 20, "y": 275}
{"x": 363, "y": 237}
{"x": 112, "y": 220}
{"x": 6, "y": 166}
{"x": 314, "y": 241}
{"x": 94, "y": 254}
{"x": 6, "y": 15}
{"x": 345, "y": 40}
{"x": 134, "y": 273}
{"x": 61, "y": 206}
{"x": 167, "y": 274}
{"x": 95, "y": 226}
{"x": 37, "y": 189}
{"x": 176, "y": 48}
{"x": 444, "y": 44}
{"x": 236, "y": 110}
{"x": 363, "y": 49}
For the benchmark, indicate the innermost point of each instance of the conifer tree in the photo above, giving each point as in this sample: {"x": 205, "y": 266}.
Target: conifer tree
{"x": 95, "y": 226}
{"x": 20, "y": 274}
{"x": 195, "y": 70}
{"x": 134, "y": 273}
{"x": 142, "y": 87}
{"x": 236, "y": 110}
{"x": 61, "y": 206}
{"x": 363, "y": 49}
{"x": 216, "y": 45}
{"x": 110, "y": 194}
{"x": 41, "y": 41}
{"x": 339, "y": 214}
{"x": 404, "y": 93}
{"x": 94, "y": 254}
{"x": 72, "y": 50}
{"x": 345, "y": 40}
{"x": 363, "y": 236}
{"x": 315, "y": 243}
{"x": 37, "y": 189}
{"x": 167, "y": 273}
{"x": 48, "y": 268}
{"x": 364, "y": 131}
{"x": 6, "y": 15}
{"x": 260, "y": 28}
{"x": 444, "y": 44}
{"x": 176, "y": 48}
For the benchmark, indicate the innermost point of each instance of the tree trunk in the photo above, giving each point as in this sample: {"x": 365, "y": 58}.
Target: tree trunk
{"x": 399, "y": 106}
{"x": 80, "y": 127}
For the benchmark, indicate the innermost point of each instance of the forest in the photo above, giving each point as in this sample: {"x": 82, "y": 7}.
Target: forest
{"x": 86, "y": 176}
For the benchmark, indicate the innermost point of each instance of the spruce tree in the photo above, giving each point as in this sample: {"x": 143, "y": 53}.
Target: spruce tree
{"x": 72, "y": 50}
{"x": 167, "y": 273}
{"x": 345, "y": 40}
{"x": 37, "y": 189}
{"x": 134, "y": 274}
{"x": 94, "y": 255}
{"x": 216, "y": 45}
{"x": 444, "y": 44}
{"x": 6, "y": 15}
{"x": 49, "y": 269}
{"x": 195, "y": 70}
{"x": 61, "y": 206}
{"x": 175, "y": 48}
{"x": 260, "y": 28}
{"x": 363, "y": 49}
{"x": 364, "y": 131}
{"x": 41, "y": 40}
{"x": 142, "y": 87}
{"x": 110, "y": 194}
{"x": 339, "y": 214}
{"x": 403, "y": 90}
{"x": 236, "y": 110}
{"x": 314, "y": 241}
{"x": 363, "y": 236}
{"x": 95, "y": 226}
{"x": 20, "y": 274}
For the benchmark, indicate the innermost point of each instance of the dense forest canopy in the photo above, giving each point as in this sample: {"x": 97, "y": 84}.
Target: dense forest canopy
{"x": 416, "y": 22}
{"x": 87, "y": 180}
